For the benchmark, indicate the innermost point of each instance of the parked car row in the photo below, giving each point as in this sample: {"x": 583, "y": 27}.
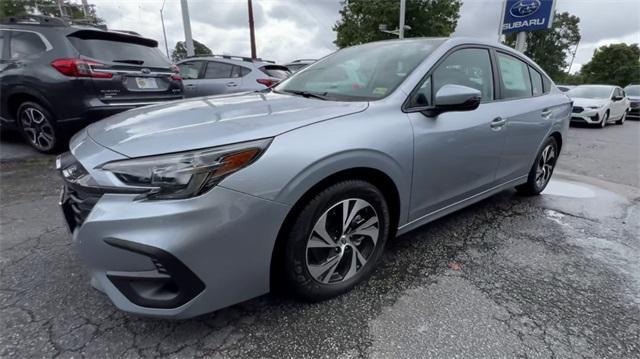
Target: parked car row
{"x": 56, "y": 77}
{"x": 601, "y": 104}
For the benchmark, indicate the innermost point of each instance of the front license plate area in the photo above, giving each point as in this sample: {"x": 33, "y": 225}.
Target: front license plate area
{"x": 67, "y": 211}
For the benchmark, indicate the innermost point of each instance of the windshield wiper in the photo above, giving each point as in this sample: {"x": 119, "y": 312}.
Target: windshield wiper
{"x": 318, "y": 95}
{"x": 133, "y": 62}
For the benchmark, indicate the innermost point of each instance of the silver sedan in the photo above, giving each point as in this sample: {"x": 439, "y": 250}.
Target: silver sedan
{"x": 183, "y": 208}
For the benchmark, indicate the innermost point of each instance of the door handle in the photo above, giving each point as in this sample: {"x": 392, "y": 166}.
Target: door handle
{"x": 546, "y": 114}
{"x": 231, "y": 84}
{"x": 498, "y": 123}
{"x": 190, "y": 86}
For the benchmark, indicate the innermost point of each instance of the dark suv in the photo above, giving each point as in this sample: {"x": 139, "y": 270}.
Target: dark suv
{"x": 55, "y": 78}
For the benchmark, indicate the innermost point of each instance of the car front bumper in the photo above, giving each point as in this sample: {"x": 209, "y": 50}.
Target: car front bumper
{"x": 168, "y": 258}
{"x": 587, "y": 116}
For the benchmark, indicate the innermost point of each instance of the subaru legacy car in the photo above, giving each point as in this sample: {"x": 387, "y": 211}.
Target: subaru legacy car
{"x": 599, "y": 105}
{"x": 183, "y": 208}
{"x": 633, "y": 93}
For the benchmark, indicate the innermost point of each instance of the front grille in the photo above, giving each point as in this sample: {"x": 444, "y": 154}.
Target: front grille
{"x": 577, "y": 109}
{"x": 81, "y": 203}
{"x": 635, "y": 105}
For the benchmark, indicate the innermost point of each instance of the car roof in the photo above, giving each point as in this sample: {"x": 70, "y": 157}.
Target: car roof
{"x": 235, "y": 60}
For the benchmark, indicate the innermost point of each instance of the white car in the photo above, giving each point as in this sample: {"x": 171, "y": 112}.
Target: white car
{"x": 598, "y": 104}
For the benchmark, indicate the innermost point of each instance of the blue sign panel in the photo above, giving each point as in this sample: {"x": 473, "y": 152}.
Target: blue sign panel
{"x": 527, "y": 15}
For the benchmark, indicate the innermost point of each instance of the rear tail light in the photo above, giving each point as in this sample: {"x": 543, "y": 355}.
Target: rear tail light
{"x": 267, "y": 82}
{"x": 80, "y": 68}
{"x": 176, "y": 77}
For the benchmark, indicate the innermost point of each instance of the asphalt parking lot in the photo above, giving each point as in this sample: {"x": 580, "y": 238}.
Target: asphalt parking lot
{"x": 552, "y": 276}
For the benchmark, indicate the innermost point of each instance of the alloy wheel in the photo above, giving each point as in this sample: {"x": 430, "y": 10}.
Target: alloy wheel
{"x": 37, "y": 128}
{"x": 545, "y": 166}
{"x": 605, "y": 118}
{"x": 342, "y": 241}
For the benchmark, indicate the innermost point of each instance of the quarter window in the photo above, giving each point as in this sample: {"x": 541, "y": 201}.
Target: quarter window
{"x": 25, "y": 44}
{"x": 536, "y": 82}
{"x": 218, "y": 70}
{"x": 466, "y": 67}
{"x": 516, "y": 82}
{"x": 239, "y": 71}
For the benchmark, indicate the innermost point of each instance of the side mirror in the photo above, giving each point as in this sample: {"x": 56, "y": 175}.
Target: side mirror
{"x": 454, "y": 98}
{"x": 617, "y": 98}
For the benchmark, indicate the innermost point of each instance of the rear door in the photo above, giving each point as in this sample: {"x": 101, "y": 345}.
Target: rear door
{"x": 192, "y": 73}
{"x": 130, "y": 69}
{"x": 217, "y": 79}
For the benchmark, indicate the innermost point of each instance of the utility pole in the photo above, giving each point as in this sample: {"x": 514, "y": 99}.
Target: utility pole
{"x": 403, "y": 6}
{"x": 252, "y": 30}
{"x": 164, "y": 31}
{"x": 63, "y": 14}
{"x": 85, "y": 8}
{"x": 186, "y": 22}
{"x": 573, "y": 57}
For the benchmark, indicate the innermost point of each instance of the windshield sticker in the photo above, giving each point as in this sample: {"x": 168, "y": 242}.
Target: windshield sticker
{"x": 379, "y": 90}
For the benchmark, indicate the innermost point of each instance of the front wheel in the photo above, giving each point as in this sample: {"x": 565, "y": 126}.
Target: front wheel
{"x": 38, "y": 127}
{"x": 542, "y": 169}
{"x": 336, "y": 240}
{"x": 605, "y": 119}
{"x": 622, "y": 119}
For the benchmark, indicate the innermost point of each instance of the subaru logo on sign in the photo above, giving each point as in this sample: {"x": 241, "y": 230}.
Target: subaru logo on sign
{"x": 146, "y": 71}
{"x": 524, "y": 8}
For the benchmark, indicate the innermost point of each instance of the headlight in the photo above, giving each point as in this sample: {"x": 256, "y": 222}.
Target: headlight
{"x": 185, "y": 174}
{"x": 595, "y": 107}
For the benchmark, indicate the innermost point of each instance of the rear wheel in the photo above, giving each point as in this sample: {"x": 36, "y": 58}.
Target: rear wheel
{"x": 38, "y": 127}
{"x": 542, "y": 169}
{"x": 622, "y": 119}
{"x": 336, "y": 240}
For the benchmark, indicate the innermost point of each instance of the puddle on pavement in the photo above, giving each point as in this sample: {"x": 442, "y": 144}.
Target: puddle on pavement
{"x": 568, "y": 189}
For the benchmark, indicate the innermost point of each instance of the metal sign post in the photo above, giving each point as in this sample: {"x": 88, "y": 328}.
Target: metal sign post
{"x": 186, "y": 22}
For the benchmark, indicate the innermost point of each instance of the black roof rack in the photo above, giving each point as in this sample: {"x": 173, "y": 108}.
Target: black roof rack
{"x": 232, "y": 57}
{"x": 29, "y": 19}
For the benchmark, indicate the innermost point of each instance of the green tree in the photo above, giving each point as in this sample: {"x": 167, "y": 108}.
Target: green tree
{"x": 550, "y": 48}
{"x": 360, "y": 19}
{"x": 180, "y": 51}
{"x": 72, "y": 10}
{"x": 616, "y": 64}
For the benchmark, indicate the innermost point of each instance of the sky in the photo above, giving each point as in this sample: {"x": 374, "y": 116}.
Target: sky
{"x": 292, "y": 29}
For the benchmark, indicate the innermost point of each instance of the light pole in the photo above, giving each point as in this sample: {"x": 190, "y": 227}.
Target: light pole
{"x": 252, "y": 33}
{"x": 402, "y": 27}
{"x": 186, "y": 22}
{"x": 164, "y": 31}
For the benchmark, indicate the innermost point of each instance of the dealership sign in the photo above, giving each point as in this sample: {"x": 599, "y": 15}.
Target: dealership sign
{"x": 527, "y": 15}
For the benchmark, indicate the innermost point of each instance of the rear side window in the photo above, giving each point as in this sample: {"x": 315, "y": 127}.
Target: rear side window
{"x": 279, "y": 72}
{"x": 536, "y": 82}
{"x": 191, "y": 70}
{"x": 516, "y": 82}
{"x": 239, "y": 71}
{"x": 466, "y": 67}
{"x": 119, "y": 51}
{"x": 25, "y": 44}
{"x": 218, "y": 70}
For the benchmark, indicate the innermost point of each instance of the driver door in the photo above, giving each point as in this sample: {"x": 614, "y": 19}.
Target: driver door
{"x": 456, "y": 154}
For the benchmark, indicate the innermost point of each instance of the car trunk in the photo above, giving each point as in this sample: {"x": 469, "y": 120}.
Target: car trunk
{"x": 126, "y": 68}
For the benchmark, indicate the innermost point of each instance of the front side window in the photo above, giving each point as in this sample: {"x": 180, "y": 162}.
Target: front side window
{"x": 191, "y": 70}
{"x": 466, "y": 67}
{"x": 25, "y": 44}
{"x": 361, "y": 73}
{"x": 516, "y": 82}
{"x": 536, "y": 82}
{"x": 218, "y": 70}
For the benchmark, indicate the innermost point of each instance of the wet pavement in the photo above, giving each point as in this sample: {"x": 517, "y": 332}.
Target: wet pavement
{"x": 553, "y": 276}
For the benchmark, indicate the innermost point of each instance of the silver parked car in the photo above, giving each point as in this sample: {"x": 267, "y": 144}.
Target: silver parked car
{"x": 186, "y": 207}
{"x": 297, "y": 65}
{"x": 222, "y": 74}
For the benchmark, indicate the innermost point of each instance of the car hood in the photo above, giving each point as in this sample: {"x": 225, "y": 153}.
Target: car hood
{"x": 584, "y": 102}
{"x": 634, "y": 98}
{"x": 212, "y": 121}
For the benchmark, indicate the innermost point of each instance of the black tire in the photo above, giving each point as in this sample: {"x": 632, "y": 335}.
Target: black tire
{"x": 296, "y": 263}
{"x": 605, "y": 119}
{"x": 38, "y": 127}
{"x": 533, "y": 186}
{"x": 622, "y": 119}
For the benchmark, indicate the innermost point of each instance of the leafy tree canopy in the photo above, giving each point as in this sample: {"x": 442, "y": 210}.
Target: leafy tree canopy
{"x": 360, "y": 19}
{"x": 180, "y": 51}
{"x": 72, "y": 10}
{"x": 616, "y": 64}
{"x": 552, "y": 47}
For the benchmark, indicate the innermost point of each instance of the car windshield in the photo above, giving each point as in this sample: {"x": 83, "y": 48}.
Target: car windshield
{"x": 632, "y": 90}
{"x": 591, "y": 92}
{"x": 360, "y": 73}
